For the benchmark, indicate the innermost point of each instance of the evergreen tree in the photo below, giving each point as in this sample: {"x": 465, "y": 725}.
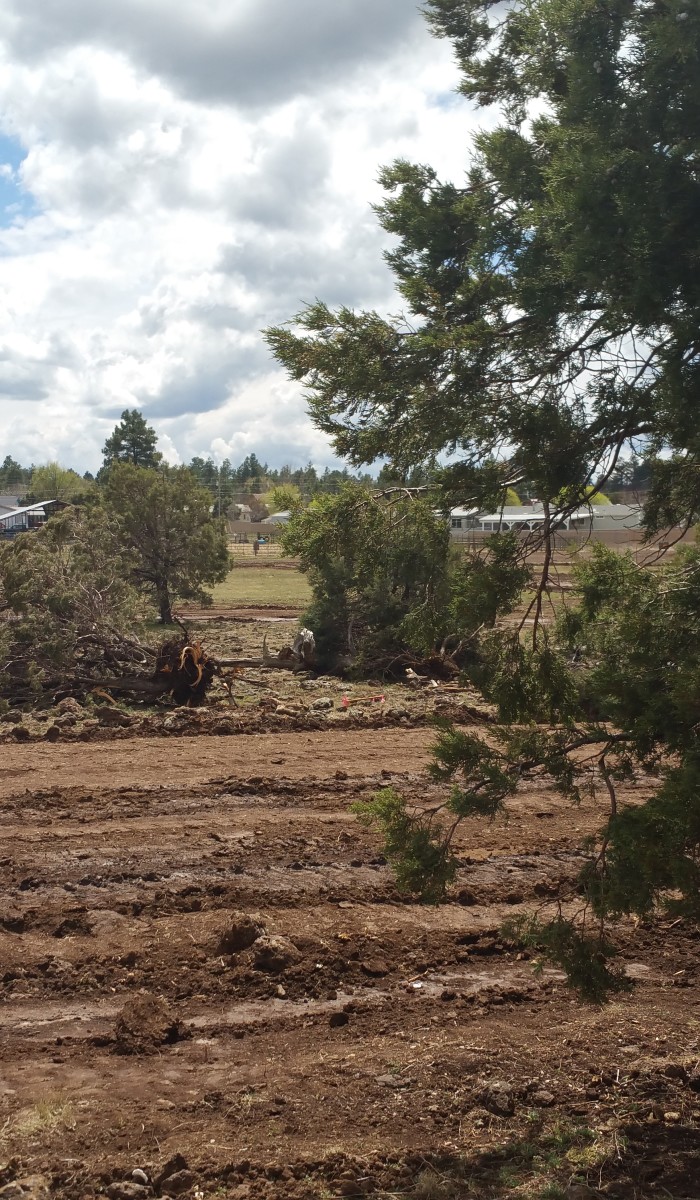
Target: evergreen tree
{"x": 552, "y": 314}
{"x": 165, "y": 522}
{"x": 132, "y": 441}
{"x": 385, "y": 585}
{"x": 553, "y": 302}
{"x": 220, "y": 481}
{"x": 251, "y": 473}
{"x": 13, "y": 476}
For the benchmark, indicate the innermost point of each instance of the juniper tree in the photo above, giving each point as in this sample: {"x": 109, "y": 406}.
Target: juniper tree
{"x": 164, "y": 519}
{"x": 73, "y": 608}
{"x": 550, "y": 327}
{"x": 386, "y": 586}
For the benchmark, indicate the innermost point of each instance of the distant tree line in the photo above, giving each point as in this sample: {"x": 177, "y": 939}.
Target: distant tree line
{"x": 134, "y": 441}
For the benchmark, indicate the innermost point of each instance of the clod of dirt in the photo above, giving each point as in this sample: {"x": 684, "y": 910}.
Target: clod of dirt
{"x": 13, "y": 716}
{"x": 374, "y": 967}
{"x": 243, "y": 930}
{"x": 145, "y": 1023}
{"x": 100, "y": 922}
{"x": 224, "y": 726}
{"x": 126, "y": 1190}
{"x": 66, "y": 720}
{"x": 338, "y": 1019}
{"x": 179, "y": 1182}
{"x": 542, "y": 1099}
{"x": 321, "y": 704}
{"x": 52, "y": 734}
{"x": 33, "y": 1187}
{"x": 108, "y": 715}
{"x": 498, "y": 1098}
{"x": 275, "y": 954}
{"x": 70, "y": 705}
{"x": 174, "y": 1169}
{"x": 355, "y": 1187}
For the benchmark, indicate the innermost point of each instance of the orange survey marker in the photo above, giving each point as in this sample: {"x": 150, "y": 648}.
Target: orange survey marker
{"x": 346, "y": 701}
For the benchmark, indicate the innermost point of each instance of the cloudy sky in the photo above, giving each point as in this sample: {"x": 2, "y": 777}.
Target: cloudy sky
{"x": 176, "y": 176}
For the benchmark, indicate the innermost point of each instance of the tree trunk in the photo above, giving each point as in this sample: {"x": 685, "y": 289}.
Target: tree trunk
{"x": 164, "y": 605}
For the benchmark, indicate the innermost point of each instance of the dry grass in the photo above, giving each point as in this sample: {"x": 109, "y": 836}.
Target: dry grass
{"x": 263, "y": 585}
{"x": 49, "y": 1114}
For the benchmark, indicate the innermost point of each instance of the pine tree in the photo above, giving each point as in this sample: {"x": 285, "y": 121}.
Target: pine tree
{"x": 132, "y": 441}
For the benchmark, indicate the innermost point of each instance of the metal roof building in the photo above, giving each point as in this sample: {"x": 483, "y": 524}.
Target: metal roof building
{"x": 526, "y": 517}
{"x": 32, "y": 516}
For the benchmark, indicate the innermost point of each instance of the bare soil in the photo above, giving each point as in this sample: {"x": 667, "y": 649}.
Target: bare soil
{"x": 208, "y": 976}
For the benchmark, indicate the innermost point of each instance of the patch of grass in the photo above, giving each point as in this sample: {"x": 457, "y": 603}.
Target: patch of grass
{"x": 508, "y": 1178}
{"x": 430, "y": 1185}
{"x": 552, "y": 1192}
{"x": 47, "y": 1115}
{"x": 263, "y": 585}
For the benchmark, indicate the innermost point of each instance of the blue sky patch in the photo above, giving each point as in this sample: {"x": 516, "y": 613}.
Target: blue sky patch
{"x": 15, "y": 202}
{"x": 446, "y": 100}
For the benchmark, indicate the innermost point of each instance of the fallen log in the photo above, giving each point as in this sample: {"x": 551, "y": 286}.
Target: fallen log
{"x": 134, "y": 684}
{"x": 300, "y": 656}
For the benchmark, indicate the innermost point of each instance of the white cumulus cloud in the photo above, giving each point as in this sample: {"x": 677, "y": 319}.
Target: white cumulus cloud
{"x": 175, "y": 179}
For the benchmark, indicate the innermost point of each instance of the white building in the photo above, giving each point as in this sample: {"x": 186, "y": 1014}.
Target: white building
{"x": 527, "y": 517}
{"x": 279, "y": 518}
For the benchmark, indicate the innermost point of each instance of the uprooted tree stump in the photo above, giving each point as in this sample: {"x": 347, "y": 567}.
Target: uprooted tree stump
{"x": 179, "y": 668}
{"x": 182, "y": 670}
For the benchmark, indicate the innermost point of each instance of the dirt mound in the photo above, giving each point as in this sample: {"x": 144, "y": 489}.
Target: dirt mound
{"x": 275, "y": 954}
{"x": 240, "y": 933}
{"x": 145, "y": 1024}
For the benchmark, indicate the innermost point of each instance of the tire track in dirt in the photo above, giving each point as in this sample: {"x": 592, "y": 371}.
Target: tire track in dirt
{"x": 188, "y": 761}
{"x": 123, "y": 864}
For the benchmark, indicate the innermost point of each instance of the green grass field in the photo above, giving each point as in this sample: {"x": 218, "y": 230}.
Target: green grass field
{"x": 263, "y": 585}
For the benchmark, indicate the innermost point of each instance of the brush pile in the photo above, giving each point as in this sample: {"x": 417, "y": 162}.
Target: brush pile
{"x": 71, "y": 622}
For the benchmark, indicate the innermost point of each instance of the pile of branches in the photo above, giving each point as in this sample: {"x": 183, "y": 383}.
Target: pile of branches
{"x": 68, "y": 620}
{"x": 68, "y": 616}
{"x": 179, "y": 668}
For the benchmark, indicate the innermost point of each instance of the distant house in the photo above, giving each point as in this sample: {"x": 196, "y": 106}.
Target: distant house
{"x": 524, "y": 518}
{"x": 279, "y": 518}
{"x": 244, "y": 512}
{"x": 32, "y": 516}
{"x": 617, "y": 516}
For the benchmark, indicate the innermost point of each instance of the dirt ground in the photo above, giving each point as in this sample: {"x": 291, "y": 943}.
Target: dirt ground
{"x": 211, "y": 987}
